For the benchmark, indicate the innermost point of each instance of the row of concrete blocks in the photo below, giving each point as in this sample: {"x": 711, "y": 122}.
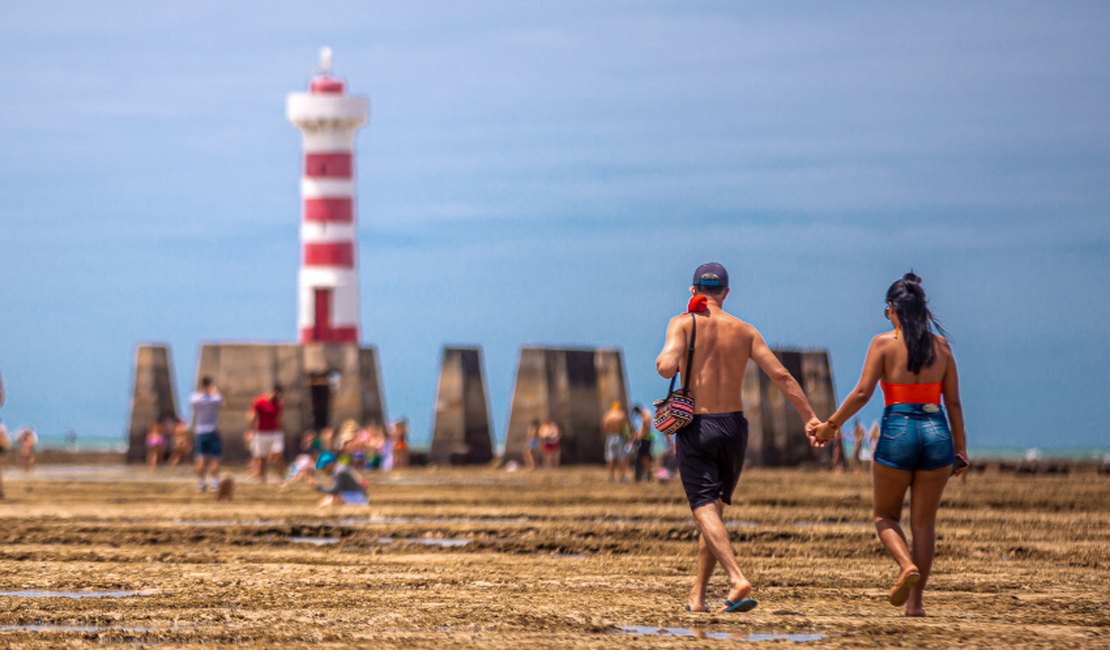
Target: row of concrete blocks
{"x": 330, "y": 383}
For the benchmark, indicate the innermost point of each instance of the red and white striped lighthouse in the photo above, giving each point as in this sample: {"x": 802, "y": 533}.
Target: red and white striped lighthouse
{"x": 328, "y": 119}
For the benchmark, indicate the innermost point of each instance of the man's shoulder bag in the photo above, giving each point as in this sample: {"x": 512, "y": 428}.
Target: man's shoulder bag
{"x": 676, "y": 410}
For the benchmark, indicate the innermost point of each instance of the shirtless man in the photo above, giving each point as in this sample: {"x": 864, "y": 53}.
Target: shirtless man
{"x": 711, "y": 448}
{"x": 615, "y": 426}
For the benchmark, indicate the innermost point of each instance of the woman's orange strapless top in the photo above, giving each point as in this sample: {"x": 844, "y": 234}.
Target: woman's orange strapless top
{"x": 911, "y": 393}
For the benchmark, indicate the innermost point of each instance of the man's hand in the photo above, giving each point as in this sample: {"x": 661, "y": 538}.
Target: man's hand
{"x": 822, "y": 434}
{"x": 811, "y": 432}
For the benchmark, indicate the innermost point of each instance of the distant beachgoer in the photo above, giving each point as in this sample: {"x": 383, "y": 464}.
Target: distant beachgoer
{"x": 399, "y": 439}
{"x": 5, "y": 446}
{"x": 858, "y": 432}
{"x": 711, "y": 448}
{"x": 385, "y": 450}
{"x": 268, "y": 440}
{"x": 302, "y": 469}
{"x": 181, "y": 443}
{"x": 155, "y": 445}
{"x": 668, "y": 463}
{"x": 345, "y": 488}
{"x": 550, "y": 443}
{"x": 644, "y": 438}
{"x": 918, "y": 444}
{"x": 870, "y": 439}
{"x": 310, "y": 443}
{"x": 208, "y": 447}
{"x": 615, "y": 426}
{"x": 325, "y": 442}
{"x": 347, "y": 439}
{"x": 376, "y": 446}
{"x": 531, "y": 444}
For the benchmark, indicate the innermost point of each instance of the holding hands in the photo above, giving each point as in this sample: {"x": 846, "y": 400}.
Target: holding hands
{"x": 821, "y": 433}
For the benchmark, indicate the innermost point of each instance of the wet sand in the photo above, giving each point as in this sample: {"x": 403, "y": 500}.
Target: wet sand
{"x": 553, "y": 559}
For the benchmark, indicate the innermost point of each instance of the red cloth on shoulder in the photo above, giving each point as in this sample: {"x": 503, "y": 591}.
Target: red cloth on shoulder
{"x": 697, "y": 304}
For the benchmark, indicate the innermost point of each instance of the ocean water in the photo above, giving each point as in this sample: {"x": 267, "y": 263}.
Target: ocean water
{"x": 1042, "y": 453}
{"x": 118, "y": 443}
{"x": 83, "y": 442}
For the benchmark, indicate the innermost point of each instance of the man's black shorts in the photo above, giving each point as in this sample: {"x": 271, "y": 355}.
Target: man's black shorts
{"x": 710, "y": 454}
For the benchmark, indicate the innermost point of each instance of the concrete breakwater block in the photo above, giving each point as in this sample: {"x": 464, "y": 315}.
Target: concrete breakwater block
{"x": 324, "y": 384}
{"x": 152, "y": 396}
{"x": 571, "y": 386}
{"x": 461, "y": 434}
{"x": 776, "y": 434}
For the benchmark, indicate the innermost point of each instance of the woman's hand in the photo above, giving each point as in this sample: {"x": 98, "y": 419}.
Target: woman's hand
{"x": 820, "y": 433}
{"x": 962, "y": 463}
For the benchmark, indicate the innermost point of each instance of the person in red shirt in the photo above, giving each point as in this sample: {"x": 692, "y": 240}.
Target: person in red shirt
{"x": 265, "y": 435}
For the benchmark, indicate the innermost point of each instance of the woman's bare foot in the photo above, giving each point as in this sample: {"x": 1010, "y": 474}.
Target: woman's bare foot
{"x": 900, "y": 592}
{"x": 695, "y": 605}
{"x": 915, "y": 611}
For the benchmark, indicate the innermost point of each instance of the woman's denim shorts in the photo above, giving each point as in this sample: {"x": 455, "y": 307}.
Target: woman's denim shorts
{"x": 914, "y": 438}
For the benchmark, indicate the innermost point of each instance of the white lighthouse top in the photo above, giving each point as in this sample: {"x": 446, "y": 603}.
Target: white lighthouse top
{"x": 326, "y": 104}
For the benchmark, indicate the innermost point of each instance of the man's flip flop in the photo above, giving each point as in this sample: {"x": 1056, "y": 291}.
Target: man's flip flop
{"x": 900, "y": 593}
{"x": 745, "y": 605}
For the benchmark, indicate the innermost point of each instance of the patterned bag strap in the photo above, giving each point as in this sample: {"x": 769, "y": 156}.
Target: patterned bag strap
{"x": 689, "y": 358}
{"x": 690, "y": 352}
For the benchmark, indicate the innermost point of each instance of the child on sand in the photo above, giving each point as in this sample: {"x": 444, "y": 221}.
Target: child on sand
{"x": 300, "y": 470}
{"x": 345, "y": 488}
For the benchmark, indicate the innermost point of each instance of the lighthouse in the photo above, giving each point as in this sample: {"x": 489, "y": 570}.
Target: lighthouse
{"x": 328, "y": 118}
{"x": 328, "y": 376}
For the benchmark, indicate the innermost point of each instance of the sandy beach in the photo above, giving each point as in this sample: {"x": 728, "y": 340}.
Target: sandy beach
{"x": 494, "y": 559}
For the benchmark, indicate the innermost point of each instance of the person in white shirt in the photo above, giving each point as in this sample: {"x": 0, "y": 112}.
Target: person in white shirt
{"x": 207, "y": 445}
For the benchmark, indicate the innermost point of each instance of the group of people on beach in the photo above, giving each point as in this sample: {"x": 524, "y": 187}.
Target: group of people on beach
{"x": 543, "y": 438}
{"x": 629, "y": 443}
{"x": 346, "y": 456}
{"x": 322, "y": 453}
{"x": 629, "y": 440}
{"x": 921, "y": 440}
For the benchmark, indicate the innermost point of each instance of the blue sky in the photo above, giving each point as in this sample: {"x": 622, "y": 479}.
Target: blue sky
{"x": 551, "y": 173}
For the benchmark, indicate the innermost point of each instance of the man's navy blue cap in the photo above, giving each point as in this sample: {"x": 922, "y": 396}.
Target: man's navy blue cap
{"x": 711, "y": 274}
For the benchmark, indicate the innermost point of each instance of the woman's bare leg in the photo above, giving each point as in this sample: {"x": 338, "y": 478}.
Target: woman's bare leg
{"x": 889, "y": 488}
{"x": 925, "y": 493}
{"x": 888, "y": 491}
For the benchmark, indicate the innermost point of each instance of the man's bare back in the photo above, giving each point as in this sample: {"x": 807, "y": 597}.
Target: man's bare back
{"x": 613, "y": 422}
{"x": 722, "y": 349}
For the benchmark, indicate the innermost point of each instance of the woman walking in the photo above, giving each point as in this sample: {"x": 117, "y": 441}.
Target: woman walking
{"x": 917, "y": 444}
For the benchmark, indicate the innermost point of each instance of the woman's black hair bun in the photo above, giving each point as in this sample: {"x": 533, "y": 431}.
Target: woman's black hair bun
{"x": 912, "y": 277}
